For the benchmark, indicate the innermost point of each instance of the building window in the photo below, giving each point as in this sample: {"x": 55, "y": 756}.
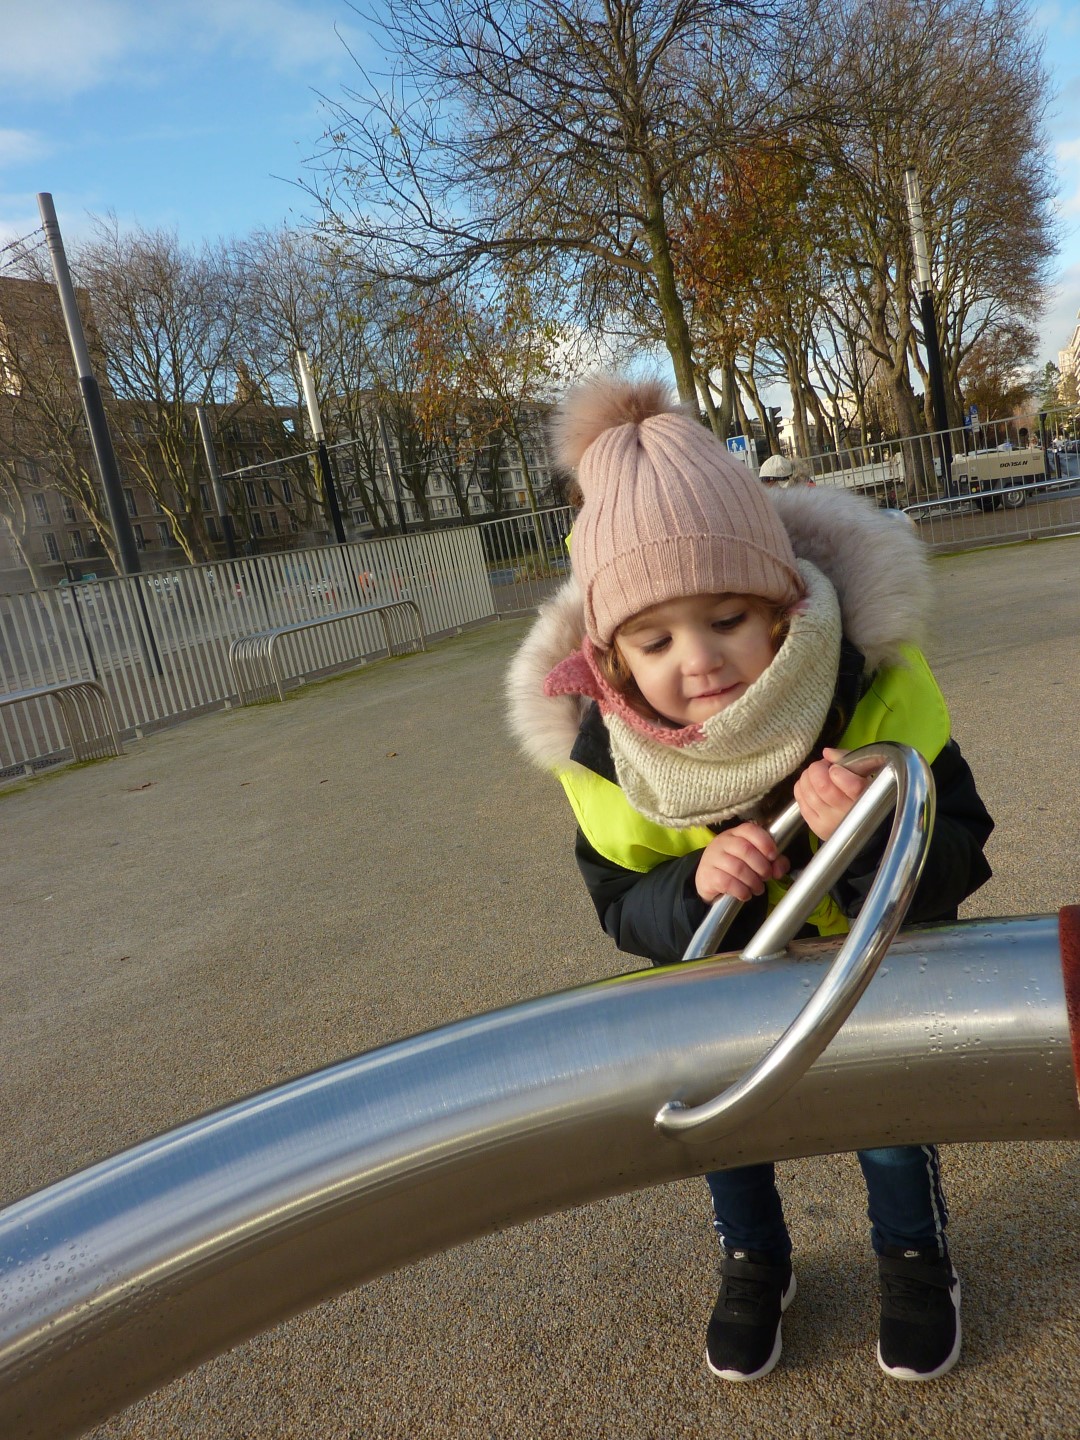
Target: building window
{"x": 52, "y": 549}
{"x": 78, "y": 549}
{"x": 440, "y": 507}
{"x": 164, "y": 534}
{"x": 286, "y": 492}
{"x": 359, "y": 517}
{"x": 68, "y": 508}
{"x": 294, "y": 523}
{"x": 204, "y": 496}
{"x": 140, "y": 539}
{"x": 129, "y": 501}
{"x": 256, "y": 522}
{"x": 156, "y": 503}
{"x": 268, "y": 494}
{"x": 275, "y": 523}
{"x": 249, "y": 491}
{"x": 41, "y": 509}
{"x": 212, "y": 527}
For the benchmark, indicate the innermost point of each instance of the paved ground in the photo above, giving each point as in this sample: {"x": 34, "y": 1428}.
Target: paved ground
{"x": 260, "y": 892}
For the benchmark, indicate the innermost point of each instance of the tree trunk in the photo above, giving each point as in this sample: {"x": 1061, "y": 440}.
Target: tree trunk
{"x": 17, "y": 538}
{"x": 676, "y": 330}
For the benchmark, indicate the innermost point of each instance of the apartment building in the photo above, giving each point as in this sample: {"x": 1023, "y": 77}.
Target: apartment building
{"x": 52, "y": 511}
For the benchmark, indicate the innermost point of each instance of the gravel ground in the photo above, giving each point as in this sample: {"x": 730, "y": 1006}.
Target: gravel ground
{"x": 261, "y": 892}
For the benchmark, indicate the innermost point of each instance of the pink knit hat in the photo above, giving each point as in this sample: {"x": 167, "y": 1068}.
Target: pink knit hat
{"x": 666, "y": 512}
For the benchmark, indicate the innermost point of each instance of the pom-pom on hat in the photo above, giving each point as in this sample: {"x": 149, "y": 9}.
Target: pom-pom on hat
{"x": 666, "y": 512}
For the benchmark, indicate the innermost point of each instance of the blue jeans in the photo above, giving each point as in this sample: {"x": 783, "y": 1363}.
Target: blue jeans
{"x": 903, "y": 1187}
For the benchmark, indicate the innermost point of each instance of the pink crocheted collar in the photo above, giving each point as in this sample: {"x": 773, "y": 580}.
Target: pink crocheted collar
{"x": 580, "y": 674}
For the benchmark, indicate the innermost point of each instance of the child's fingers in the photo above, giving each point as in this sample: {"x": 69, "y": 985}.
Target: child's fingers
{"x": 867, "y": 769}
{"x": 753, "y": 843}
{"x": 745, "y": 852}
{"x": 730, "y": 876}
{"x": 847, "y": 782}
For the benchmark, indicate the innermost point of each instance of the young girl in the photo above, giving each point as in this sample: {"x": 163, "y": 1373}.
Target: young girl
{"x": 717, "y": 650}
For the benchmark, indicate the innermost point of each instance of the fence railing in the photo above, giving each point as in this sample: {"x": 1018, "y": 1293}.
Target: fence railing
{"x": 970, "y": 487}
{"x": 527, "y": 557}
{"x": 159, "y": 643}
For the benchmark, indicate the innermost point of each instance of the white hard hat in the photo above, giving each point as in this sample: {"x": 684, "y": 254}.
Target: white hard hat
{"x": 777, "y": 467}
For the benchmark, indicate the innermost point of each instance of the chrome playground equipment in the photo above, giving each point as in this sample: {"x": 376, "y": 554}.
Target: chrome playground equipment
{"x": 131, "y": 1272}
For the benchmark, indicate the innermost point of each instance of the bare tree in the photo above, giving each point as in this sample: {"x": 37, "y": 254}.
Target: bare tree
{"x": 301, "y": 294}
{"x": 44, "y": 444}
{"x": 956, "y": 88}
{"x": 168, "y": 322}
{"x": 553, "y": 133}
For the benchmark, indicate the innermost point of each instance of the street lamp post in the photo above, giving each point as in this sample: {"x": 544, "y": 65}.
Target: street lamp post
{"x": 220, "y": 498}
{"x": 326, "y": 475}
{"x": 100, "y": 439}
{"x": 929, "y": 322}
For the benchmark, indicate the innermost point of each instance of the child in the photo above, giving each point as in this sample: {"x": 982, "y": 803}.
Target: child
{"x": 718, "y": 648}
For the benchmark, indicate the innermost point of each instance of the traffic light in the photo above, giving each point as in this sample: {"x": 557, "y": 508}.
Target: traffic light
{"x": 774, "y": 416}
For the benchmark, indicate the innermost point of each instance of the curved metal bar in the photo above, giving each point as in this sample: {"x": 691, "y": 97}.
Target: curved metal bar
{"x": 707, "y": 938}
{"x": 906, "y": 783}
{"x": 817, "y": 877}
{"x": 123, "y": 1276}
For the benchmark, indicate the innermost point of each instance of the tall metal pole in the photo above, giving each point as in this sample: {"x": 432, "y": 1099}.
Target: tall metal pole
{"x": 326, "y": 475}
{"x": 390, "y": 460}
{"x": 228, "y": 529}
{"x": 100, "y": 439}
{"x": 929, "y": 322}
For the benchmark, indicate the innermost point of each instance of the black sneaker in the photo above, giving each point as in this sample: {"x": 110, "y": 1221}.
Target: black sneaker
{"x": 919, "y": 1338}
{"x": 743, "y": 1342}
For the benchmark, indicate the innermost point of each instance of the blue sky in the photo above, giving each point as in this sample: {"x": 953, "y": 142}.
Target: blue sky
{"x": 196, "y": 115}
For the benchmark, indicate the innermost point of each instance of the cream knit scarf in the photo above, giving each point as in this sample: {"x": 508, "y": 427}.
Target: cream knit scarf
{"x": 703, "y": 774}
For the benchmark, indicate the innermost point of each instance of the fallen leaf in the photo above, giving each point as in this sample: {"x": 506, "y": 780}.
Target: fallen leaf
{"x": 391, "y": 754}
{"x": 144, "y": 786}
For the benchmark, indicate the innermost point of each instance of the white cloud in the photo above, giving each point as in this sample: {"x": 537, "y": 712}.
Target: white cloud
{"x": 67, "y": 47}
{"x": 19, "y": 146}
{"x": 1060, "y": 319}
{"x": 291, "y": 34}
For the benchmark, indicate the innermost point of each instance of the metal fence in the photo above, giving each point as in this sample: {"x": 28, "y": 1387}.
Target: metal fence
{"x": 159, "y": 642}
{"x": 991, "y": 484}
{"x": 527, "y": 557}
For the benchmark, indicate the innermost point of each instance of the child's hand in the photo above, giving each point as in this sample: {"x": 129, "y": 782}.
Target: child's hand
{"x": 825, "y": 792}
{"x": 738, "y": 862}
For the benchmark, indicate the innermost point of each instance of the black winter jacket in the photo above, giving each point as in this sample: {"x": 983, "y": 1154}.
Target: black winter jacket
{"x": 656, "y": 913}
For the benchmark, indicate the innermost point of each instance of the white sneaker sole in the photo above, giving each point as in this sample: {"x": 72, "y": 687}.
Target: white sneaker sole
{"x": 902, "y": 1372}
{"x": 737, "y": 1375}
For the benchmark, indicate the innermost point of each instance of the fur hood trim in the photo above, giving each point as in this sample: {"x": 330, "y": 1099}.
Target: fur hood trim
{"x": 876, "y": 562}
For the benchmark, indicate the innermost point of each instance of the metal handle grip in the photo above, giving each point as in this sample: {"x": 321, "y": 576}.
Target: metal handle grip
{"x": 904, "y": 785}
